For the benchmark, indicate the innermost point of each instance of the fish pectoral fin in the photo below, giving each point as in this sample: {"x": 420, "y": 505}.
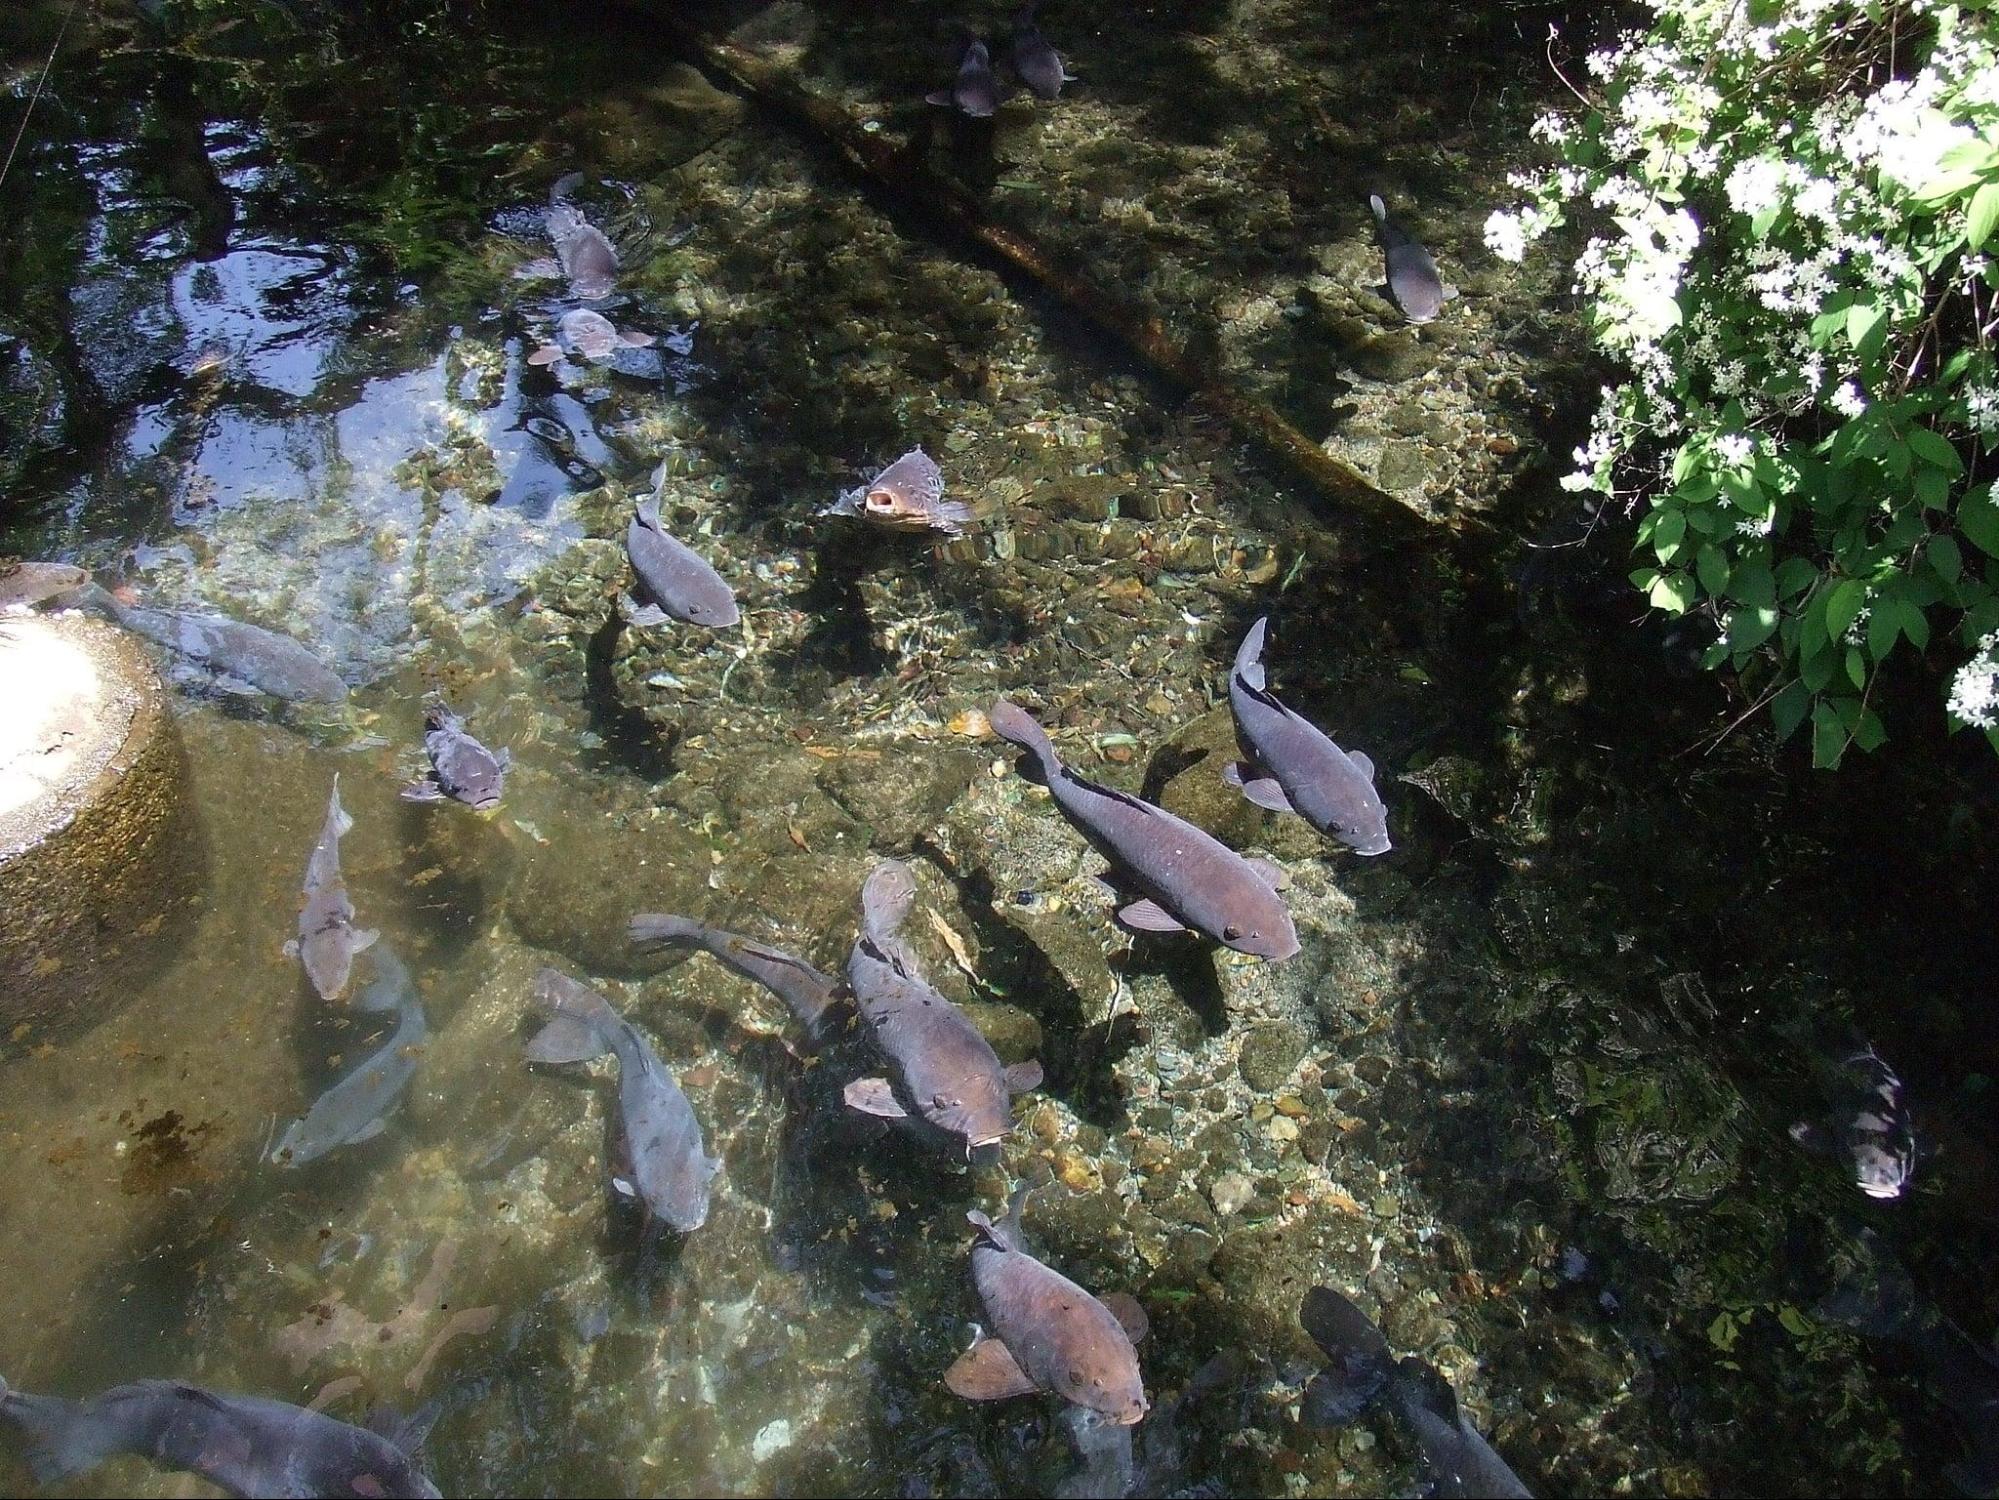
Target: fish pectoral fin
{"x": 1023, "y": 1076}
{"x": 623, "y": 1188}
{"x": 1150, "y": 916}
{"x": 633, "y": 339}
{"x": 1266, "y": 793}
{"x": 369, "y": 1131}
{"x": 1362, "y": 763}
{"x": 1272, "y": 875}
{"x": 504, "y": 760}
{"x": 1449, "y": 291}
{"x": 424, "y": 790}
{"x": 873, "y": 1096}
{"x": 547, "y": 354}
{"x": 631, "y": 613}
{"x": 1130, "y": 1316}
{"x": 291, "y": 948}
{"x": 364, "y": 939}
{"x": 566, "y": 1039}
{"x": 988, "y": 1372}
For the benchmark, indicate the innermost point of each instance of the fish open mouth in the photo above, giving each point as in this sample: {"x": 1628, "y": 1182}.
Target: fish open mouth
{"x": 893, "y": 509}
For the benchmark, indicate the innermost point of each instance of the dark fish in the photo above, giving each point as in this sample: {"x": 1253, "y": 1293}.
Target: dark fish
{"x": 460, "y": 767}
{"x": 240, "y": 658}
{"x": 670, "y": 1170}
{"x": 1412, "y": 273}
{"x": 584, "y": 334}
{"x": 974, "y": 90}
{"x": 943, "y": 1071}
{"x": 357, "y": 1108}
{"x": 24, "y": 584}
{"x": 1048, "y": 1334}
{"x": 809, "y": 993}
{"x": 1294, "y": 767}
{"x": 1363, "y": 1371}
{"x": 1034, "y": 59}
{"x": 244, "y": 1445}
{"x": 906, "y": 496}
{"x": 1188, "y": 878}
{"x": 585, "y": 255}
{"x": 1872, "y": 1129}
{"x": 674, "y": 579}
{"x": 327, "y": 938}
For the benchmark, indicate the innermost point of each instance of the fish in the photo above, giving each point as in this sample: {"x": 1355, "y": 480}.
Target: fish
{"x": 244, "y": 1445}
{"x": 1188, "y": 879}
{"x": 1293, "y": 767}
{"x": 906, "y": 496}
{"x": 357, "y": 1108}
{"x": 975, "y": 90}
{"x": 584, "y": 253}
{"x": 588, "y": 335}
{"x": 24, "y": 583}
{"x": 673, "y": 578}
{"x": 942, "y": 1071}
{"x": 1412, "y": 273}
{"x": 1034, "y": 59}
{"x": 460, "y": 767}
{"x": 810, "y": 994}
{"x": 239, "y": 658}
{"x": 1362, "y": 1371}
{"x": 670, "y": 1173}
{"x": 327, "y": 937}
{"x": 1048, "y": 1334}
{"x": 1873, "y": 1128}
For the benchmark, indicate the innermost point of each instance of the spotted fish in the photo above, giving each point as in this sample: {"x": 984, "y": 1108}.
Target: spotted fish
{"x": 460, "y": 767}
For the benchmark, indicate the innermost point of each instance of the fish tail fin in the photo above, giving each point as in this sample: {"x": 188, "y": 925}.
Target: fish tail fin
{"x": 1249, "y": 655}
{"x": 583, "y": 1023}
{"x": 1380, "y": 209}
{"x": 662, "y": 929}
{"x": 1014, "y": 1205}
{"x": 1014, "y": 725}
{"x": 564, "y": 185}
{"x": 342, "y": 822}
{"x": 1359, "y": 1362}
{"x": 954, "y": 517}
{"x": 58, "y": 1435}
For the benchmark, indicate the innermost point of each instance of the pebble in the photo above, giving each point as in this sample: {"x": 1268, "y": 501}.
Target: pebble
{"x": 1283, "y": 1129}
{"x": 1386, "y": 1206}
{"x": 1230, "y": 1193}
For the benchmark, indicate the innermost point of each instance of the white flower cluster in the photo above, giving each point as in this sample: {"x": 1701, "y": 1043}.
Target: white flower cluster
{"x": 1981, "y": 409}
{"x": 1974, "y": 690}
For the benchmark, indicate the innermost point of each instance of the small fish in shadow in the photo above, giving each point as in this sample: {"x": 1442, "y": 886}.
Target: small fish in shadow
{"x": 1048, "y": 1334}
{"x": 668, "y": 1167}
{"x": 1872, "y": 1127}
{"x": 1293, "y": 767}
{"x": 356, "y": 1109}
{"x": 461, "y": 768}
{"x": 244, "y": 1445}
{"x": 906, "y": 496}
{"x": 1412, "y": 273}
{"x": 673, "y": 579}
{"x": 327, "y": 938}
{"x": 974, "y": 90}
{"x": 1035, "y": 60}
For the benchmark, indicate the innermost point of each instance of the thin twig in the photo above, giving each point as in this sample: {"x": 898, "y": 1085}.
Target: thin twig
{"x": 35, "y": 98}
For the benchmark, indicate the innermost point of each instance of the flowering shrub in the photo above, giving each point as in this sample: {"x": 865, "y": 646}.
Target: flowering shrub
{"x": 1794, "y": 202}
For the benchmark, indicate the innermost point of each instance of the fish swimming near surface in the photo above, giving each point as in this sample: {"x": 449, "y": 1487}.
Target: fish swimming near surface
{"x": 357, "y": 1108}
{"x": 1294, "y": 768}
{"x": 1188, "y": 879}
{"x": 1362, "y": 1371}
{"x": 461, "y": 768}
{"x": 238, "y": 657}
{"x": 1035, "y": 59}
{"x": 589, "y": 335}
{"x": 906, "y": 496}
{"x": 975, "y": 90}
{"x": 244, "y": 1445}
{"x": 584, "y": 252}
{"x": 811, "y": 995}
{"x": 1872, "y": 1127}
{"x": 24, "y": 583}
{"x": 943, "y": 1073}
{"x": 673, "y": 579}
{"x": 327, "y": 937}
{"x": 1412, "y": 272}
{"x": 1048, "y": 1334}
{"x": 666, "y": 1165}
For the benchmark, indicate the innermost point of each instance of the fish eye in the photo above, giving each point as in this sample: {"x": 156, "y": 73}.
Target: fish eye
{"x": 1231, "y": 932}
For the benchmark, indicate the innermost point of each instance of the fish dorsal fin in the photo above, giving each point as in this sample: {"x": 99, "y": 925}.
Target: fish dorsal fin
{"x": 1432, "y": 1389}
{"x": 1023, "y": 1076}
{"x": 566, "y": 1039}
{"x": 1014, "y": 1206}
{"x": 1273, "y": 875}
{"x": 873, "y": 1096}
{"x": 1130, "y": 1315}
{"x": 987, "y": 1372}
{"x": 1360, "y": 760}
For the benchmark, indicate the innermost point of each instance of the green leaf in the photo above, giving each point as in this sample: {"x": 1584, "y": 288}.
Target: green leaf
{"x": 1934, "y": 448}
{"x": 1983, "y": 214}
{"x": 1842, "y": 605}
{"x": 1867, "y": 328}
{"x": 1712, "y": 569}
{"x": 1794, "y": 576}
{"x": 1883, "y": 627}
{"x": 1672, "y": 592}
{"x": 1932, "y": 489}
{"x": 1667, "y": 529}
{"x": 1978, "y": 519}
{"x": 1816, "y": 670}
{"x": 1750, "y": 626}
{"x": 1915, "y": 624}
{"x": 1792, "y": 1321}
{"x": 1787, "y": 709}
{"x": 1752, "y": 583}
{"x": 1828, "y": 737}
{"x": 1869, "y": 733}
{"x": 1856, "y": 667}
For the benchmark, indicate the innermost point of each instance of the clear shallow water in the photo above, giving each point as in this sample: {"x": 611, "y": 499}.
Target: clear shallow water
{"x": 1492, "y": 1094}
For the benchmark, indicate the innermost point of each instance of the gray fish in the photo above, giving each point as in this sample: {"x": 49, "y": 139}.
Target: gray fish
{"x": 943, "y": 1071}
{"x": 244, "y": 1445}
{"x": 1362, "y": 1371}
{"x": 670, "y": 1170}
{"x": 1188, "y": 879}
{"x": 460, "y": 767}
{"x": 588, "y": 335}
{"x": 906, "y": 496}
{"x": 356, "y": 1109}
{"x": 1873, "y": 1129}
{"x": 327, "y": 938}
{"x": 1294, "y": 767}
{"x": 240, "y": 658}
{"x": 1048, "y": 1334}
{"x": 24, "y": 583}
{"x": 809, "y": 993}
{"x": 1034, "y": 59}
{"x": 1412, "y": 274}
{"x": 975, "y": 90}
{"x": 674, "y": 579}
{"x": 584, "y": 253}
